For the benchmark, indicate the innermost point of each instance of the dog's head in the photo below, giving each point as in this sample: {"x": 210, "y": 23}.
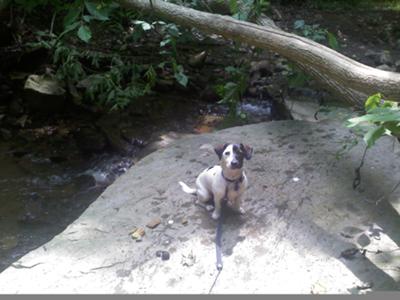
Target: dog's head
{"x": 232, "y": 155}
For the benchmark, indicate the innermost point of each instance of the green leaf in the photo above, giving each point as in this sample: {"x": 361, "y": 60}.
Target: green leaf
{"x": 181, "y": 78}
{"x": 390, "y": 104}
{"x": 230, "y": 94}
{"x": 230, "y": 69}
{"x": 393, "y": 127}
{"x": 151, "y": 76}
{"x": 144, "y": 25}
{"x": 299, "y": 79}
{"x": 376, "y": 115}
{"x": 233, "y": 6}
{"x": 87, "y": 18}
{"x": 373, "y": 134}
{"x": 373, "y": 101}
{"x": 332, "y": 41}
{"x": 71, "y": 16}
{"x": 97, "y": 11}
{"x": 299, "y": 24}
{"x": 84, "y": 33}
{"x": 173, "y": 30}
{"x": 111, "y": 96}
{"x": 165, "y": 42}
{"x": 69, "y": 28}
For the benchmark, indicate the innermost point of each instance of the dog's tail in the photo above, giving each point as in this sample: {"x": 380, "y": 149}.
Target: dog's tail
{"x": 187, "y": 189}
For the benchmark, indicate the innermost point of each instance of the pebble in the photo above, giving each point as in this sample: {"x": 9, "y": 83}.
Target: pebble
{"x": 137, "y": 234}
{"x": 170, "y": 222}
{"x": 365, "y": 286}
{"x": 163, "y": 254}
{"x": 154, "y": 223}
{"x": 349, "y": 253}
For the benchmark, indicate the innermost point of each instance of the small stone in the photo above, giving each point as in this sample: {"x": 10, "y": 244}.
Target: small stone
{"x": 346, "y": 235}
{"x": 137, "y": 234}
{"x": 296, "y": 179}
{"x": 184, "y": 221}
{"x": 349, "y": 253}
{"x": 170, "y": 222}
{"x": 363, "y": 240}
{"x": 163, "y": 254}
{"x": 365, "y": 286}
{"x": 198, "y": 59}
{"x": 154, "y": 223}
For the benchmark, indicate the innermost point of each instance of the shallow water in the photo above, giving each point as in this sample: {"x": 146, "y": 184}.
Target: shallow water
{"x": 39, "y": 198}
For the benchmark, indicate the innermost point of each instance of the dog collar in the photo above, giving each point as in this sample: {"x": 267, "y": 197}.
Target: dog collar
{"x": 235, "y": 181}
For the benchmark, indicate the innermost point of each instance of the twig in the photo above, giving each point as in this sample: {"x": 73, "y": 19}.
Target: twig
{"x": 52, "y": 23}
{"x": 357, "y": 179}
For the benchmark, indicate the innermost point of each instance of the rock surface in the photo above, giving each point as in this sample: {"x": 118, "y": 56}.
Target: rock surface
{"x": 302, "y": 218}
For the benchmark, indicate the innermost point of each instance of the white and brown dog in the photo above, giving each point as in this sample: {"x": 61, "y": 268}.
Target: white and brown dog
{"x": 224, "y": 182}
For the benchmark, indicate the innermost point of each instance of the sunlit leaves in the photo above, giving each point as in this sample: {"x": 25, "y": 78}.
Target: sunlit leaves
{"x": 382, "y": 118}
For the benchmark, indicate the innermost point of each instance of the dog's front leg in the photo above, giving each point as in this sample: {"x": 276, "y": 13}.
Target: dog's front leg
{"x": 236, "y": 205}
{"x": 218, "y": 198}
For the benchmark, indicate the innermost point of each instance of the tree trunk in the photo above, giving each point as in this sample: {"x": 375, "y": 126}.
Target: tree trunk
{"x": 349, "y": 79}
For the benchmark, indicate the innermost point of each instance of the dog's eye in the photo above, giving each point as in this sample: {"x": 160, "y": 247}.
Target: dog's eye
{"x": 227, "y": 153}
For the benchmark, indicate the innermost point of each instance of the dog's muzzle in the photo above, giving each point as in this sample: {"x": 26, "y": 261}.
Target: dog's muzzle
{"x": 235, "y": 165}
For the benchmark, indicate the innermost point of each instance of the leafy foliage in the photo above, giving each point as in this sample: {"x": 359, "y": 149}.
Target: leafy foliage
{"x": 316, "y": 33}
{"x": 233, "y": 89}
{"x": 382, "y": 118}
{"x": 109, "y": 78}
{"x": 247, "y": 9}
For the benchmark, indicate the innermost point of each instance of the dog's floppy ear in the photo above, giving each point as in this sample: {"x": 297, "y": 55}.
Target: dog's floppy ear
{"x": 247, "y": 150}
{"x": 220, "y": 149}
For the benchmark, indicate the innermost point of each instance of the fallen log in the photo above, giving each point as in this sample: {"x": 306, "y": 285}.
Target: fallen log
{"x": 352, "y": 81}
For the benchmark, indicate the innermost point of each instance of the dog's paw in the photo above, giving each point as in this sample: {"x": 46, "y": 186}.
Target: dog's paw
{"x": 209, "y": 207}
{"x": 215, "y": 215}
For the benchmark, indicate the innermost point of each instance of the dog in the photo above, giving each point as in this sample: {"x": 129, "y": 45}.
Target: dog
{"x": 224, "y": 182}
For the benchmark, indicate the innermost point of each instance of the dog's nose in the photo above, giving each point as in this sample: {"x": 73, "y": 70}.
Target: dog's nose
{"x": 235, "y": 164}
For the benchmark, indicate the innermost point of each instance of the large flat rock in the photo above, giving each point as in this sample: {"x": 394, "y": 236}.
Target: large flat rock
{"x": 302, "y": 213}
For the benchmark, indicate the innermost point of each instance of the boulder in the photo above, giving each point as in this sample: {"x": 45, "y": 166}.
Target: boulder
{"x": 294, "y": 237}
{"x": 44, "y": 94}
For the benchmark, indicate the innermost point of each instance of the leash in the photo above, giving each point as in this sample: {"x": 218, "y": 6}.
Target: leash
{"x": 218, "y": 236}
{"x": 218, "y": 250}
